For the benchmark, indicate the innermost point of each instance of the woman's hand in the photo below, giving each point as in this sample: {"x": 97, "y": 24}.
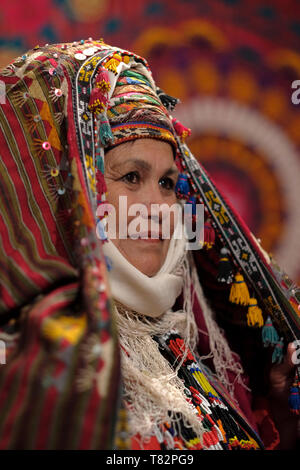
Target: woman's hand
{"x": 281, "y": 379}
{"x": 281, "y": 375}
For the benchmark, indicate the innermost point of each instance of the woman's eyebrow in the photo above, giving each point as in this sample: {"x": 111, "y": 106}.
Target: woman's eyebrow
{"x": 145, "y": 166}
{"x": 141, "y": 164}
{"x": 172, "y": 171}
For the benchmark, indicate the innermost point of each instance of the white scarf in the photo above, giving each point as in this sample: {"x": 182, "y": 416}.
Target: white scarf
{"x": 151, "y": 296}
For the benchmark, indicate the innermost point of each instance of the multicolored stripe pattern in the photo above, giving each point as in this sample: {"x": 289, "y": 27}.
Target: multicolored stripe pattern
{"x": 224, "y": 424}
{"x": 59, "y": 386}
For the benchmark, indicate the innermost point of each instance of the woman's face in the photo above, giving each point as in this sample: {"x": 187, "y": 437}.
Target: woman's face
{"x": 144, "y": 171}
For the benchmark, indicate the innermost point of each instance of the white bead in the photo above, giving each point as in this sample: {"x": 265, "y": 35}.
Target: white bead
{"x": 80, "y": 56}
{"x": 89, "y": 51}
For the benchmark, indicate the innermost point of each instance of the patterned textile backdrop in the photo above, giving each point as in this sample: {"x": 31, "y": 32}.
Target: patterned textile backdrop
{"x": 231, "y": 62}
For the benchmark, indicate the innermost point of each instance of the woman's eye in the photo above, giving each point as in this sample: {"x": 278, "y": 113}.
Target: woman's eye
{"x": 167, "y": 183}
{"x": 132, "y": 178}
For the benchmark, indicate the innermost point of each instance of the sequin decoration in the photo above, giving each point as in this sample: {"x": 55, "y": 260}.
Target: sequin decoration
{"x": 46, "y": 145}
{"x": 58, "y": 92}
{"x": 54, "y": 172}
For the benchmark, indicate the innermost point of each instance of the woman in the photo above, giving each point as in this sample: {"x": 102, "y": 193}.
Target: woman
{"x": 84, "y": 124}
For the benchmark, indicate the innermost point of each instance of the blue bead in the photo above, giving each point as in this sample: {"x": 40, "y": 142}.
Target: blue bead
{"x": 294, "y": 399}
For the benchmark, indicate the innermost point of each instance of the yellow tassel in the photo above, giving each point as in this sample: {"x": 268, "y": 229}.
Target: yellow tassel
{"x": 113, "y": 63}
{"x": 254, "y": 316}
{"x": 64, "y": 327}
{"x": 103, "y": 85}
{"x": 239, "y": 293}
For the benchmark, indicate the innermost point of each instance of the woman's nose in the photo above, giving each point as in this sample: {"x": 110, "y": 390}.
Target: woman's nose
{"x": 155, "y": 203}
{"x": 152, "y": 194}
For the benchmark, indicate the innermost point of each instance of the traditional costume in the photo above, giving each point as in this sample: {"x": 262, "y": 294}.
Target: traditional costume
{"x": 65, "y": 326}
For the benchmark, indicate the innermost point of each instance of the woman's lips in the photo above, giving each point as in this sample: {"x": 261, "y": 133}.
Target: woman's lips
{"x": 149, "y": 237}
{"x": 148, "y": 240}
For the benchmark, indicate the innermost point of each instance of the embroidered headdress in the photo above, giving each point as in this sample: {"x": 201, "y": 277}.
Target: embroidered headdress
{"x": 135, "y": 111}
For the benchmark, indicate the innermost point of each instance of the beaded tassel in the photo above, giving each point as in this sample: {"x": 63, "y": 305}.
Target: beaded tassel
{"x": 102, "y": 81}
{"x": 182, "y": 131}
{"x": 182, "y": 188}
{"x": 98, "y": 101}
{"x": 105, "y": 132}
{"x": 99, "y": 98}
{"x": 225, "y": 273}
{"x": 269, "y": 334}
{"x": 294, "y": 398}
{"x": 254, "y": 315}
{"x": 277, "y": 355}
{"x": 239, "y": 293}
{"x": 98, "y": 105}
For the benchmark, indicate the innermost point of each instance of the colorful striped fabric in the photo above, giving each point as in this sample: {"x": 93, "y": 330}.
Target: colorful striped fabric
{"x": 59, "y": 387}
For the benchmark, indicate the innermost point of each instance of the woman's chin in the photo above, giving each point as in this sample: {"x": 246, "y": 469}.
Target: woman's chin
{"x": 149, "y": 269}
{"x": 146, "y": 255}
{"x": 149, "y": 262}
